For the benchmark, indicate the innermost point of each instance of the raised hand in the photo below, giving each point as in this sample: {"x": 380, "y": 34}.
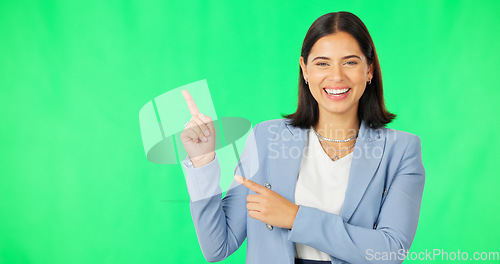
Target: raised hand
{"x": 198, "y": 137}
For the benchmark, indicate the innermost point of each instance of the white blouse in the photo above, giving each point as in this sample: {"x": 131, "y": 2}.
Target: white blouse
{"x": 321, "y": 184}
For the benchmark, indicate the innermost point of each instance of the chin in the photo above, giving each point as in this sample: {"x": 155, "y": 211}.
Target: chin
{"x": 340, "y": 108}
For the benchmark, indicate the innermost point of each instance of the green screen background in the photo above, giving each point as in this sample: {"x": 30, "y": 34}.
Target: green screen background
{"x": 76, "y": 187}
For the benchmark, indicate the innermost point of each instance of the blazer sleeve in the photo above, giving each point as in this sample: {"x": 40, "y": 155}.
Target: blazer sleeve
{"x": 396, "y": 224}
{"x": 220, "y": 225}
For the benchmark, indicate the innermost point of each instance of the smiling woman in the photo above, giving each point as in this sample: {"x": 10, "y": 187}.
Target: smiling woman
{"x": 339, "y": 47}
{"x": 353, "y": 190}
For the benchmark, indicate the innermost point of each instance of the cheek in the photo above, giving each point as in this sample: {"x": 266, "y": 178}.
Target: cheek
{"x": 361, "y": 87}
{"x": 315, "y": 92}
{"x": 317, "y": 76}
{"x": 358, "y": 76}
{"x": 361, "y": 91}
{"x": 315, "y": 80}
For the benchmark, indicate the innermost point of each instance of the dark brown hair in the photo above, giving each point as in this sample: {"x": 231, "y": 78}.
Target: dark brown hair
{"x": 371, "y": 108}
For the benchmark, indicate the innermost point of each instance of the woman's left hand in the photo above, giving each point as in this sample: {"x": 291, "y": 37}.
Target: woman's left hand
{"x": 268, "y": 206}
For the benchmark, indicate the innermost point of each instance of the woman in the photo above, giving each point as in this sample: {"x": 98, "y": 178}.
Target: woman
{"x": 329, "y": 184}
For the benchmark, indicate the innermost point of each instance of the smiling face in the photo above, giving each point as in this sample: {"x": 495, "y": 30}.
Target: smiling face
{"x": 337, "y": 73}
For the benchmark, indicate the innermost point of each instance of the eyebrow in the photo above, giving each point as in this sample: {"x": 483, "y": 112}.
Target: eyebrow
{"x": 345, "y": 57}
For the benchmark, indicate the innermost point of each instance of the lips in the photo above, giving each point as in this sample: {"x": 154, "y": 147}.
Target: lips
{"x": 337, "y": 91}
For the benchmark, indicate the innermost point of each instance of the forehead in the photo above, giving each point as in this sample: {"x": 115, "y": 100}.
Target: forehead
{"x": 336, "y": 45}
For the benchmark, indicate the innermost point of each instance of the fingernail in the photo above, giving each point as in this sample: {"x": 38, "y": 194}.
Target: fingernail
{"x": 206, "y": 132}
{"x": 238, "y": 178}
{"x": 205, "y": 139}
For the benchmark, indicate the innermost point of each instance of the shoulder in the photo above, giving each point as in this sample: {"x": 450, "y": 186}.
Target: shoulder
{"x": 400, "y": 142}
{"x": 278, "y": 130}
{"x": 272, "y": 123}
{"x": 398, "y": 136}
{"x": 269, "y": 127}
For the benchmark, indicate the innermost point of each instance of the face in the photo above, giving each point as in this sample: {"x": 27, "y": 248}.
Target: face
{"x": 337, "y": 73}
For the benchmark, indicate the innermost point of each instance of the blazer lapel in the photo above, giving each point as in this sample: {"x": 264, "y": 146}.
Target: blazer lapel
{"x": 367, "y": 155}
{"x": 284, "y": 168}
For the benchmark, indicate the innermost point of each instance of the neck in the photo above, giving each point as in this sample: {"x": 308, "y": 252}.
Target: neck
{"x": 338, "y": 126}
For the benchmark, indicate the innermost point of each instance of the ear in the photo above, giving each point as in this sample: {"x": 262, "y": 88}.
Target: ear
{"x": 369, "y": 74}
{"x": 303, "y": 67}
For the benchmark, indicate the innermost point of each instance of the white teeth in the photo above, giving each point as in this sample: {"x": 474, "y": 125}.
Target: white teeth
{"x": 335, "y": 91}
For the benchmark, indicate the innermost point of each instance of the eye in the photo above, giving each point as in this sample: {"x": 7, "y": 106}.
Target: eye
{"x": 351, "y": 63}
{"x": 321, "y": 64}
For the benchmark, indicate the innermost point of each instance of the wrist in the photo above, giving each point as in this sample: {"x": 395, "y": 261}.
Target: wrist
{"x": 294, "y": 215}
{"x": 204, "y": 160}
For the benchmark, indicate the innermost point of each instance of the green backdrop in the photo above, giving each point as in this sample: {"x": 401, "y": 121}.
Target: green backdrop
{"x": 76, "y": 187}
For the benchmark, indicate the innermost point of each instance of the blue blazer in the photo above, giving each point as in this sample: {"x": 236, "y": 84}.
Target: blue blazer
{"x": 378, "y": 219}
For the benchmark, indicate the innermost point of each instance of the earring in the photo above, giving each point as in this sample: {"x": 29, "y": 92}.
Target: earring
{"x": 306, "y": 82}
{"x": 370, "y": 82}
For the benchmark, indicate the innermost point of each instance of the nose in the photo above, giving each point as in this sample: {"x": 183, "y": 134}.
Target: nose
{"x": 335, "y": 73}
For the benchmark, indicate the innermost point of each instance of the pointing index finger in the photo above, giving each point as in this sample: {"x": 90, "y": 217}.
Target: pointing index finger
{"x": 250, "y": 184}
{"x": 193, "y": 109}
